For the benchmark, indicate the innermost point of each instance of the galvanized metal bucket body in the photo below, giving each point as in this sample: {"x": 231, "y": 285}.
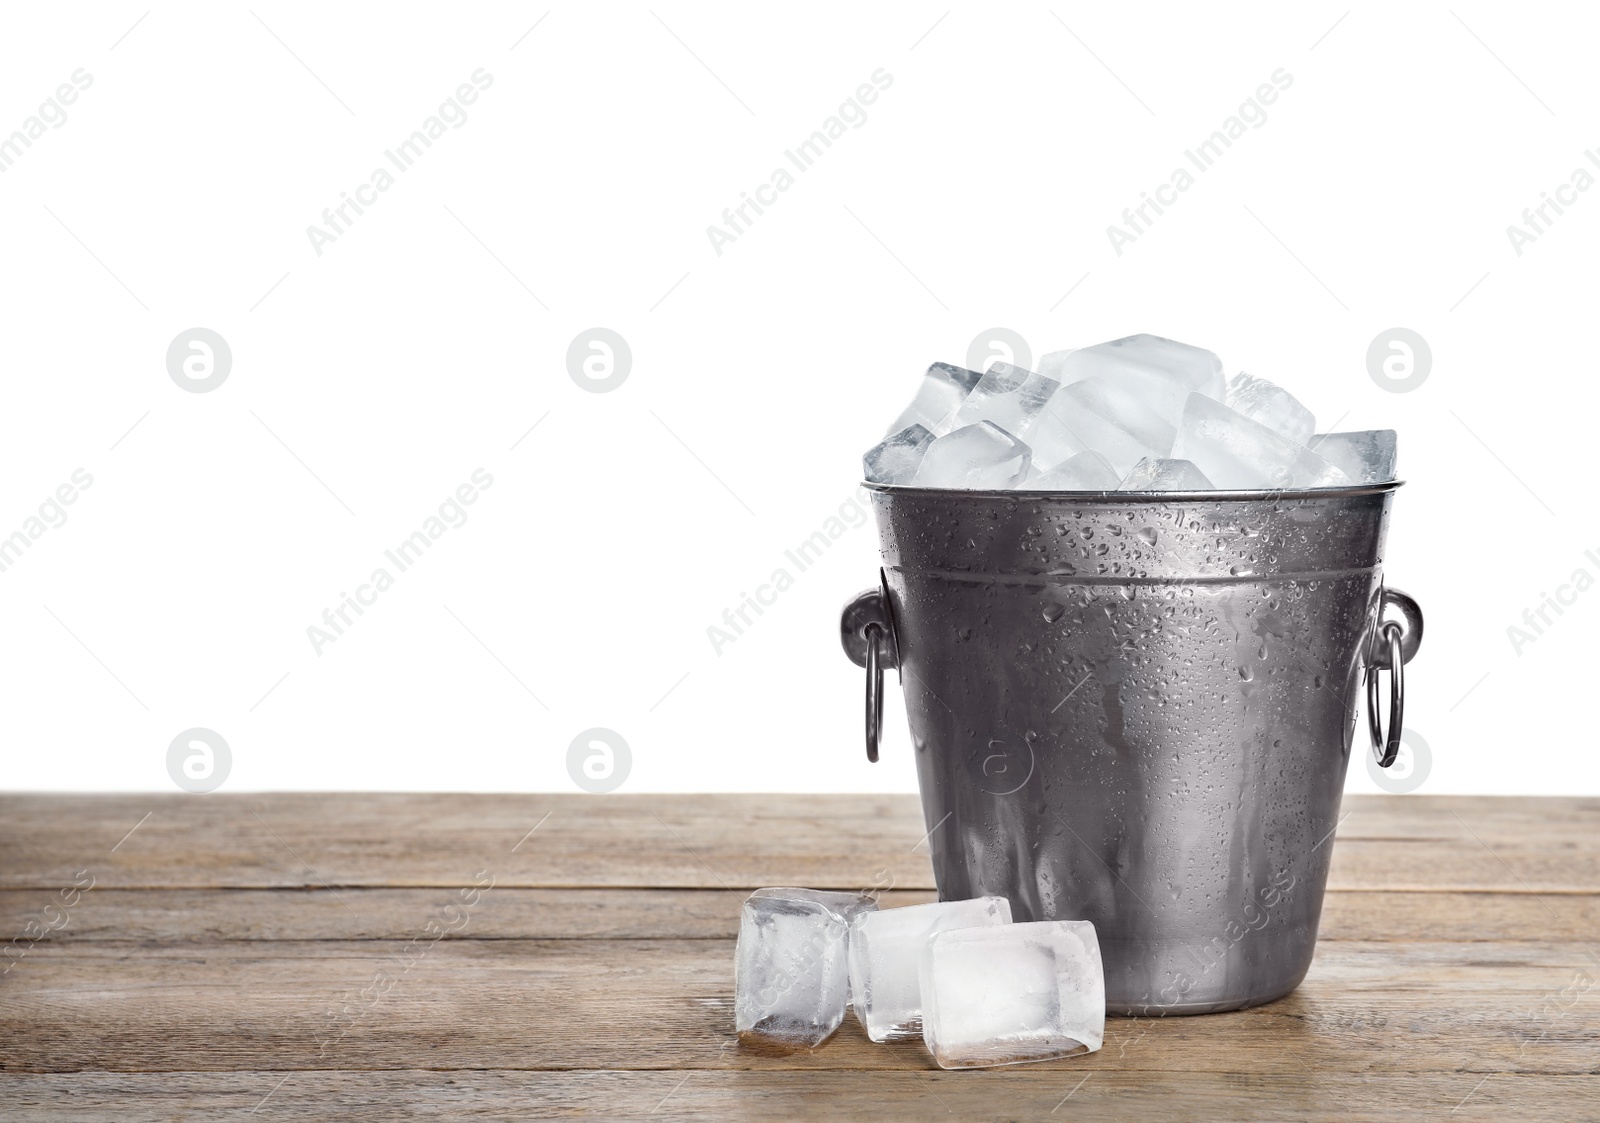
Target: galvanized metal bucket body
{"x": 1138, "y": 710}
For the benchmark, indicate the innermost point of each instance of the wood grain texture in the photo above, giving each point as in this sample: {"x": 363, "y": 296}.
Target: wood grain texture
{"x": 274, "y": 954}
{"x": 884, "y": 1097}
{"x": 279, "y": 841}
{"x": 191, "y": 915}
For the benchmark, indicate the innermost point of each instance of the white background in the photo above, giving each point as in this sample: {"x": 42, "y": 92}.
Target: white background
{"x": 370, "y": 381}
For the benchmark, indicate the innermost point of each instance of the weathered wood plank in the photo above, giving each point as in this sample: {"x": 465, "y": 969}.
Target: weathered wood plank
{"x": 202, "y": 915}
{"x": 278, "y": 840}
{"x": 887, "y": 1097}
{"x": 667, "y": 1004}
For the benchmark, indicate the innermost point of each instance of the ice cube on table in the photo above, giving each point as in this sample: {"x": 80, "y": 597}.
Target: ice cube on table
{"x": 1087, "y": 471}
{"x": 1013, "y": 993}
{"x": 944, "y": 387}
{"x": 1235, "y": 452}
{"x": 1163, "y": 372}
{"x": 983, "y": 457}
{"x": 1270, "y": 405}
{"x": 1105, "y": 415}
{"x": 1008, "y": 396}
{"x": 1366, "y": 456}
{"x": 886, "y": 950}
{"x": 791, "y": 965}
{"x": 895, "y": 459}
{"x": 1162, "y": 474}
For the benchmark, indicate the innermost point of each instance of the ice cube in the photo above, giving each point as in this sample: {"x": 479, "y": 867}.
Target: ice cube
{"x": 1236, "y": 453}
{"x": 982, "y": 456}
{"x": 1163, "y": 372}
{"x": 1054, "y": 365}
{"x": 1271, "y": 405}
{"x": 791, "y": 964}
{"x": 885, "y": 953}
{"x": 1087, "y": 471}
{"x": 1104, "y": 414}
{"x": 894, "y": 460}
{"x": 1007, "y": 396}
{"x": 1367, "y": 456}
{"x": 1012, "y": 994}
{"x": 943, "y": 389}
{"x": 1160, "y": 474}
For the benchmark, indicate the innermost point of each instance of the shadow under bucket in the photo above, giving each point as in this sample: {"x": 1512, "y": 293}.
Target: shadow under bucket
{"x": 1138, "y": 709}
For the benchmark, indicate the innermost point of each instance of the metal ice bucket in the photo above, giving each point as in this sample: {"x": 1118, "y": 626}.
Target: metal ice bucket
{"x": 1138, "y": 710}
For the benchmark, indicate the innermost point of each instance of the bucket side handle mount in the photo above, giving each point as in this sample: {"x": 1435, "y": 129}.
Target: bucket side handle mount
{"x": 1394, "y": 642}
{"x": 866, "y": 628}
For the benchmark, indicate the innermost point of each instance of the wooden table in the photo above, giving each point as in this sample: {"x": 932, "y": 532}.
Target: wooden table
{"x": 454, "y": 956}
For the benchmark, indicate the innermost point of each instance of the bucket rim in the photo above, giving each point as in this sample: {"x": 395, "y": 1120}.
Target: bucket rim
{"x": 1109, "y": 498}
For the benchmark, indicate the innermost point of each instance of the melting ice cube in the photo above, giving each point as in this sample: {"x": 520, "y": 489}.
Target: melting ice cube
{"x": 1012, "y": 993}
{"x": 1270, "y": 405}
{"x": 1160, "y": 474}
{"x": 1087, "y": 471}
{"x": 791, "y": 965}
{"x": 1367, "y": 456}
{"x": 1163, "y": 372}
{"x": 895, "y": 459}
{"x": 1008, "y": 396}
{"x": 1236, "y": 452}
{"x": 943, "y": 390}
{"x": 982, "y": 456}
{"x": 1107, "y": 415}
{"x": 886, "y": 950}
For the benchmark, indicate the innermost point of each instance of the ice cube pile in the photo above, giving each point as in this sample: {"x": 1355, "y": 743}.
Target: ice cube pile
{"x": 980, "y": 990}
{"x": 1135, "y": 414}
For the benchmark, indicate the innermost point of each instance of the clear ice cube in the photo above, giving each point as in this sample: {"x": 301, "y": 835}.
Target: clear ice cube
{"x": 1104, "y": 414}
{"x": 1008, "y": 396}
{"x": 1162, "y": 474}
{"x": 1270, "y": 405}
{"x": 1235, "y": 452}
{"x": 791, "y": 965}
{"x": 1054, "y": 365}
{"x": 1367, "y": 456}
{"x": 983, "y": 456}
{"x": 943, "y": 389}
{"x": 886, "y": 950}
{"x": 1163, "y": 372}
{"x": 1012, "y": 994}
{"x": 1087, "y": 471}
{"x": 895, "y": 459}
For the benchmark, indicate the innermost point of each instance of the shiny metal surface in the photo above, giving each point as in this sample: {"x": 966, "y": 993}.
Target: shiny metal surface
{"x": 1384, "y": 747}
{"x": 1138, "y": 710}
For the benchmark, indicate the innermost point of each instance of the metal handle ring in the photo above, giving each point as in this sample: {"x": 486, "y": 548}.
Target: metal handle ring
{"x": 1385, "y": 749}
{"x": 873, "y": 634}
